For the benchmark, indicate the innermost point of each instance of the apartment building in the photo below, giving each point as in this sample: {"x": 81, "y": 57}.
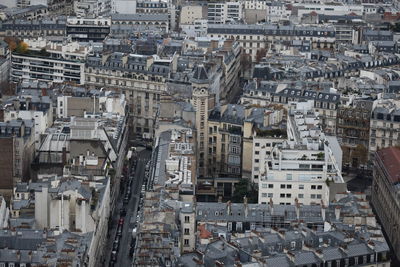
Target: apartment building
{"x": 86, "y": 8}
{"x": 123, "y": 6}
{"x": 255, "y": 37}
{"x": 306, "y": 168}
{"x": 262, "y": 145}
{"x": 18, "y": 149}
{"x": 159, "y": 7}
{"x": 141, "y": 78}
{"x": 174, "y": 164}
{"x": 325, "y": 102}
{"x": 353, "y": 129}
{"x": 88, "y": 29}
{"x": 301, "y": 9}
{"x": 37, "y": 109}
{"x": 33, "y": 28}
{"x": 67, "y": 204}
{"x": 190, "y": 13}
{"x": 223, "y": 12}
{"x": 384, "y": 125}
{"x": 50, "y": 62}
{"x": 145, "y": 21}
{"x": 385, "y": 190}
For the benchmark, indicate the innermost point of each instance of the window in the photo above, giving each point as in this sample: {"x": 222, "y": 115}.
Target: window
{"x": 288, "y": 195}
{"x": 186, "y": 242}
{"x": 301, "y": 195}
{"x": 257, "y": 144}
{"x": 186, "y": 231}
{"x": 283, "y": 186}
{"x": 270, "y": 185}
{"x": 187, "y": 219}
{"x": 282, "y": 195}
{"x": 313, "y": 187}
{"x": 289, "y": 177}
{"x": 264, "y": 185}
{"x": 270, "y": 195}
{"x": 319, "y": 196}
{"x": 264, "y": 195}
{"x": 289, "y": 186}
{"x": 301, "y": 186}
{"x": 319, "y": 187}
{"x": 312, "y": 196}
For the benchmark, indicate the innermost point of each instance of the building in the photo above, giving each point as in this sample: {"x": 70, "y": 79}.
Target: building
{"x": 33, "y": 28}
{"x": 123, "y": 6}
{"x": 385, "y": 120}
{"x": 190, "y": 13}
{"x": 18, "y": 149}
{"x": 50, "y": 62}
{"x": 87, "y": 8}
{"x": 145, "y": 21}
{"x": 38, "y": 248}
{"x": 35, "y": 12}
{"x": 37, "y": 109}
{"x": 4, "y": 213}
{"x": 88, "y": 29}
{"x": 353, "y": 131}
{"x": 223, "y": 12}
{"x": 326, "y": 102}
{"x": 255, "y": 37}
{"x": 307, "y": 167}
{"x": 215, "y": 234}
{"x": 385, "y": 190}
{"x": 174, "y": 163}
{"x": 142, "y": 80}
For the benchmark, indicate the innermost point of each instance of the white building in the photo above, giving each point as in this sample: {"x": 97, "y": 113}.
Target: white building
{"x": 384, "y": 125}
{"x": 50, "y": 62}
{"x": 276, "y": 11}
{"x": 197, "y": 29}
{"x": 97, "y": 8}
{"x": 220, "y": 12}
{"x": 333, "y": 9}
{"x": 38, "y": 109}
{"x": 4, "y": 213}
{"x": 190, "y": 13}
{"x": 123, "y": 6}
{"x": 262, "y": 148}
{"x": 305, "y": 167}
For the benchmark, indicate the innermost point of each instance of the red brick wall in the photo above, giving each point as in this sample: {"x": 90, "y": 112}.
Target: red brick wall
{"x": 6, "y": 163}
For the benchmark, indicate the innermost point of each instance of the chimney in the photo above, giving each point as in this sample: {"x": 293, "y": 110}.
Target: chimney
{"x": 228, "y": 207}
{"x": 337, "y": 213}
{"x": 246, "y": 207}
{"x": 64, "y": 155}
{"x": 271, "y": 206}
{"x": 297, "y": 207}
{"x": 323, "y": 210}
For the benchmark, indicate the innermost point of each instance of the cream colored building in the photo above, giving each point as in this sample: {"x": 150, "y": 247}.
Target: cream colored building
{"x": 139, "y": 77}
{"x": 191, "y": 13}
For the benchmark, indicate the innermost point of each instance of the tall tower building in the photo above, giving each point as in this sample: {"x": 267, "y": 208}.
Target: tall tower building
{"x": 200, "y": 101}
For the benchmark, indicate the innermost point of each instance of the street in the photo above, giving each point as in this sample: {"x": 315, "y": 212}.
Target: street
{"x": 122, "y": 258}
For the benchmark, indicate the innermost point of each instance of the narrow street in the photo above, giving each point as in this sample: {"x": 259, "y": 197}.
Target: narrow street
{"x": 123, "y": 258}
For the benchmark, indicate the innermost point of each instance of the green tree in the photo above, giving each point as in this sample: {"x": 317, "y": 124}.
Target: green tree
{"x": 245, "y": 189}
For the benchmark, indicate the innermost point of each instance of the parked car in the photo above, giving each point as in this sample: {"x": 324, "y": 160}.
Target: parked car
{"x": 122, "y": 212}
{"x": 113, "y": 256}
{"x": 116, "y": 244}
{"x": 119, "y": 230}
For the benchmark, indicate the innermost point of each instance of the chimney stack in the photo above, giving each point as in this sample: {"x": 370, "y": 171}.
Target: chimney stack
{"x": 323, "y": 210}
{"x": 297, "y": 207}
{"x": 337, "y": 213}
